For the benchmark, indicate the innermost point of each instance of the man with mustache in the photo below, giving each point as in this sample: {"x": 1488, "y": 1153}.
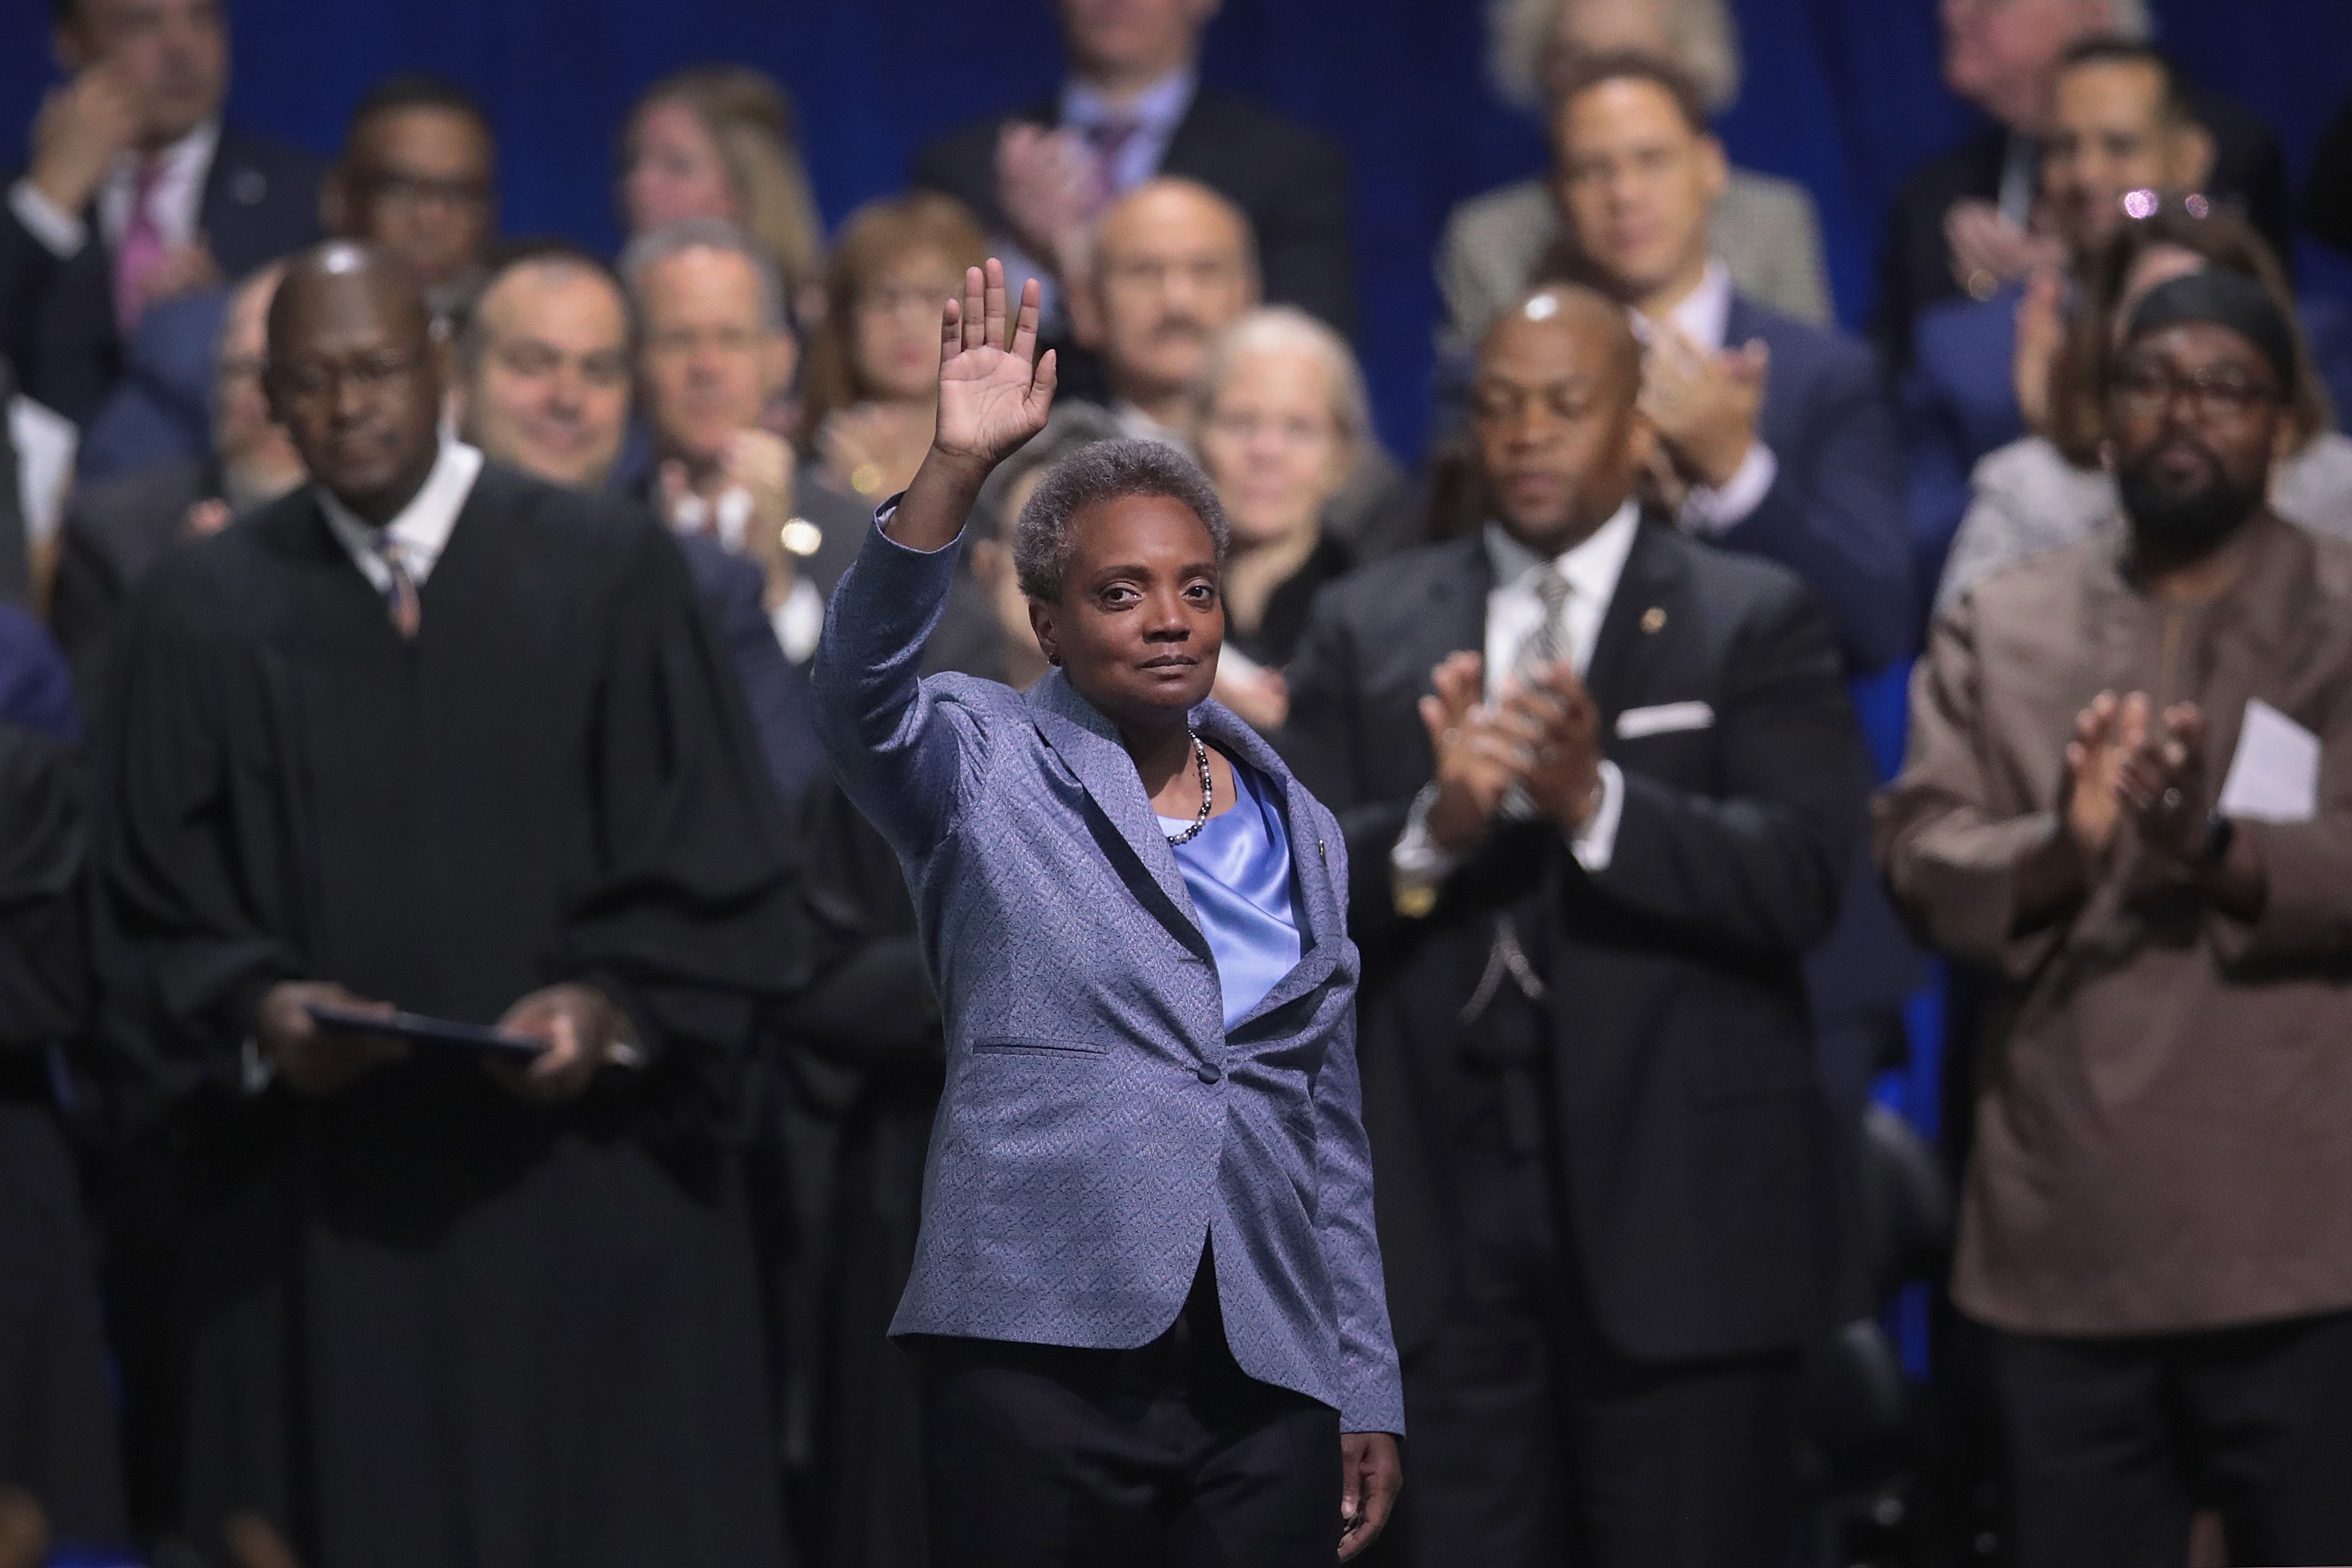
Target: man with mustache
{"x": 2129, "y": 804}
{"x": 1175, "y": 265}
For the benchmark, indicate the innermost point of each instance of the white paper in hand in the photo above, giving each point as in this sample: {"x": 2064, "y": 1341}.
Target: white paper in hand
{"x": 2274, "y": 777}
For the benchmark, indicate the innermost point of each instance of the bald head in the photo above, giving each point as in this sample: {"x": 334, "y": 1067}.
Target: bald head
{"x": 1552, "y": 414}
{"x": 1175, "y": 264}
{"x": 355, "y": 375}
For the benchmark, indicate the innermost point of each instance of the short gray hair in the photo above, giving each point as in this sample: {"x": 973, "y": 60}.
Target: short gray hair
{"x": 1094, "y": 474}
{"x": 705, "y": 234}
{"x": 1700, "y": 37}
{"x": 1273, "y": 328}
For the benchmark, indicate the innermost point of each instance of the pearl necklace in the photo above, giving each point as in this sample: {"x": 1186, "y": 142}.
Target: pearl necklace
{"x": 1208, "y": 793}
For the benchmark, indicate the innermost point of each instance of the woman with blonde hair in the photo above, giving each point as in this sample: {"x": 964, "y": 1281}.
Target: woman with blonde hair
{"x": 1495, "y": 245}
{"x": 721, "y": 141}
{"x": 871, "y": 392}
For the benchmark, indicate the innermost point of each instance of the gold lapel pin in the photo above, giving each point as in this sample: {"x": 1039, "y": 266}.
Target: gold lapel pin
{"x": 1653, "y": 619}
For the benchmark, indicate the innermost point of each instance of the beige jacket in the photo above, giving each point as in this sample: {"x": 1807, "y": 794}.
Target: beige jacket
{"x": 2164, "y": 1099}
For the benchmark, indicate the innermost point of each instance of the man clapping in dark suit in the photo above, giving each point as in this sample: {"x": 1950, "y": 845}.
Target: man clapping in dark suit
{"x": 1599, "y": 784}
{"x": 136, "y": 192}
{"x": 1134, "y": 109}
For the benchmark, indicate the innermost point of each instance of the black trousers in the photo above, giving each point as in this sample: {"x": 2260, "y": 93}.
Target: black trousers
{"x": 1531, "y": 1442}
{"x": 1045, "y": 1456}
{"x": 2113, "y": 1443}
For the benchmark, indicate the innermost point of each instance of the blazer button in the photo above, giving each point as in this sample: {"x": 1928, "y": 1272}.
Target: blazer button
{"x": 1208, "y": 1072}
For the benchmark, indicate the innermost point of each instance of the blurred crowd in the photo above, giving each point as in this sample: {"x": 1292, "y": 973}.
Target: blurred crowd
{"x": 1642, "y": 1219}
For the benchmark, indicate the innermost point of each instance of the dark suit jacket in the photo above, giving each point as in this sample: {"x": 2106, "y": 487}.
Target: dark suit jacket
{"x": 1916, "y": 267}
{"x": 113, "y": 532}
{"x": 57, "y": 318}
{"x": 1700, "y": 1166}
{"x": 1292, "y": 182}
{"x": 1836, "y": 514}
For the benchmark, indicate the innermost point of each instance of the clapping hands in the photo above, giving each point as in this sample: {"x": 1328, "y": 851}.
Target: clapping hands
{"x": 2126, "y": 761}
{"x": 1541, "y": 736}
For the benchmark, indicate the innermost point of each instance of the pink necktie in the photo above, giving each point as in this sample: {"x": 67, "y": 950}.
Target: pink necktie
{"x": 142, "y": 249}
{"x": 1107, "y": 140}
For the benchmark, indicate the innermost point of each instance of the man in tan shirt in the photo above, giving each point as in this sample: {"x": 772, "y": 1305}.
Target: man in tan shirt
{"x": 2128, "y": 802}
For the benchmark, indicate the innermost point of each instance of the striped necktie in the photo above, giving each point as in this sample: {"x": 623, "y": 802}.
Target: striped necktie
{"x": 400, "y": 601}
{"x": 1547, "y": 644}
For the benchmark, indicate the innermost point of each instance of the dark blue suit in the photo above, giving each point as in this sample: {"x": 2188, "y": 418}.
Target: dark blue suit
{"x": 1835, "y": 516}
{"x": 57, "y": 318}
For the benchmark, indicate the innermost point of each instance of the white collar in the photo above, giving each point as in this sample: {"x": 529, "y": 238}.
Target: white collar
{"x": 181, "y": 160}
{"x": 1157, "y": 108}
{"x": 423, "y": 526}
{"x": 1703, "y": 315}
{"x": 1591, "y": 567}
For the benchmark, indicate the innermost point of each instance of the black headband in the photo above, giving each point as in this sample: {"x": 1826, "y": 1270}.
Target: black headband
{"x": 2228, "y": 299}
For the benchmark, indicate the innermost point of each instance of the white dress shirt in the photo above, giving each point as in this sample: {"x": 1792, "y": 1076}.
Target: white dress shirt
{"x": 1704, "y": 316}
{"x": 1515, "y": 613}
{"x": 177, "y": 203}
{"x": 799, "y": 621}
{"x": 422, "y": 527}
{"x": 1155, "y": 112}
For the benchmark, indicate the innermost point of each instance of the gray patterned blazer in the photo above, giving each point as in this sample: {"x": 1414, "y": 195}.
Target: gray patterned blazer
{"x": 1099, "y": 1125}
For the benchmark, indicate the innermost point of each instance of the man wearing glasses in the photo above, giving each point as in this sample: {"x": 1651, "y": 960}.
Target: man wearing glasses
{"x": 419, "y": 177}
{"x": 429, "y": 733}
{"x": 2127, "y": 804}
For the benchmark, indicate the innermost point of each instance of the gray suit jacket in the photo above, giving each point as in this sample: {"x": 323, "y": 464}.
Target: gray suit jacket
{"x": 1764, "y": 229}
{"x": 1100, "y": 1125}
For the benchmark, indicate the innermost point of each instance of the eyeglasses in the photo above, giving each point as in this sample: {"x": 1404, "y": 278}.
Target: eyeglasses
{"x": 2148, "y": 388}
{"x": 2144, "y": 204}
{"x": 1295, "y": 430}
{"x": 881, "y": 302}
{"x": 418, "y": 190}
{"x": 315, "y": 380}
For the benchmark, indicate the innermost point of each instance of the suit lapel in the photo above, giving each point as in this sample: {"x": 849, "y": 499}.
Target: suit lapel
{"x": 1088, "y": 744}
{"x": 1640, "y": 619}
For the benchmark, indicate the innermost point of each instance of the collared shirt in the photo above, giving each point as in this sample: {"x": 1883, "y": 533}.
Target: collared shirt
{"x": 177, "y": 203}
{"x": 422, "y": 527}
{"x": 1155, "y": 112}
{"x": 799, "y": 621}
{"x": 1138, "y": 425}
{"x": 1514, "y": 612}
{"x": 1704, "y": 316}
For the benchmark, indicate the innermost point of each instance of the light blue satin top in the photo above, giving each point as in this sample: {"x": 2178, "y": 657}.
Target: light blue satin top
{"x": 1238, "y": 872}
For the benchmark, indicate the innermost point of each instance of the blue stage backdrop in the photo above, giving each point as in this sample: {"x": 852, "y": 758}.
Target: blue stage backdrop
{"x": 1840, "y": 94}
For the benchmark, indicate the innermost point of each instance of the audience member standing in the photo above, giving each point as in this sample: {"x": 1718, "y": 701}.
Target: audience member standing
{"x": 2055, "y": 488}
{"x": 1283, "y": 415}
{"x": 2121, "y": 122}
{"x": 1774, "y": 435}
{"x": 439, "y": 734}
{"x": 721, "y": 141}
{"x": 137, "y": 191}
{"x": 1133, "y": 110}
{"x": 1173, "y": 265}
{"x": 714, "y": 350}
{"x": 1600, "y": 786}
{"x": 419, "y": 178}
{"x": 544, "y": 387}
{"x": 115, "y": 529}
{"x": 1965, "y": 222}
{"x": 1498, "y": 244}
{"x": 2129, "y": 804}
{"x": 871, "y": 389}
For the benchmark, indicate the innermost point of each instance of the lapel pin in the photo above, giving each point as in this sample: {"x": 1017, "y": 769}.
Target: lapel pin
{"x": 1653, "y": 619}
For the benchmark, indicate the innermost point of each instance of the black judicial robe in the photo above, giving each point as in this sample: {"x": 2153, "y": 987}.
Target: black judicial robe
{"x": 425, "y": 1322}
{"x": 56, "y": 1420}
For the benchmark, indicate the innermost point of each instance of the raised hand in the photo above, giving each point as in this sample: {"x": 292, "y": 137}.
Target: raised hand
{"x": 83, "y": 126}
{"x": 993, "y": 399}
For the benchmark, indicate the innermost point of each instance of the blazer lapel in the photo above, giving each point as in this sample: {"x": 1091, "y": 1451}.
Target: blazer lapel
{"x": 1634, "y": 632}
{"x": 1089, "y": 746}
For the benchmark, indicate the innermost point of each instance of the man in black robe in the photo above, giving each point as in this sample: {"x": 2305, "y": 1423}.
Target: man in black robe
{"x": 432, "y": 735}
